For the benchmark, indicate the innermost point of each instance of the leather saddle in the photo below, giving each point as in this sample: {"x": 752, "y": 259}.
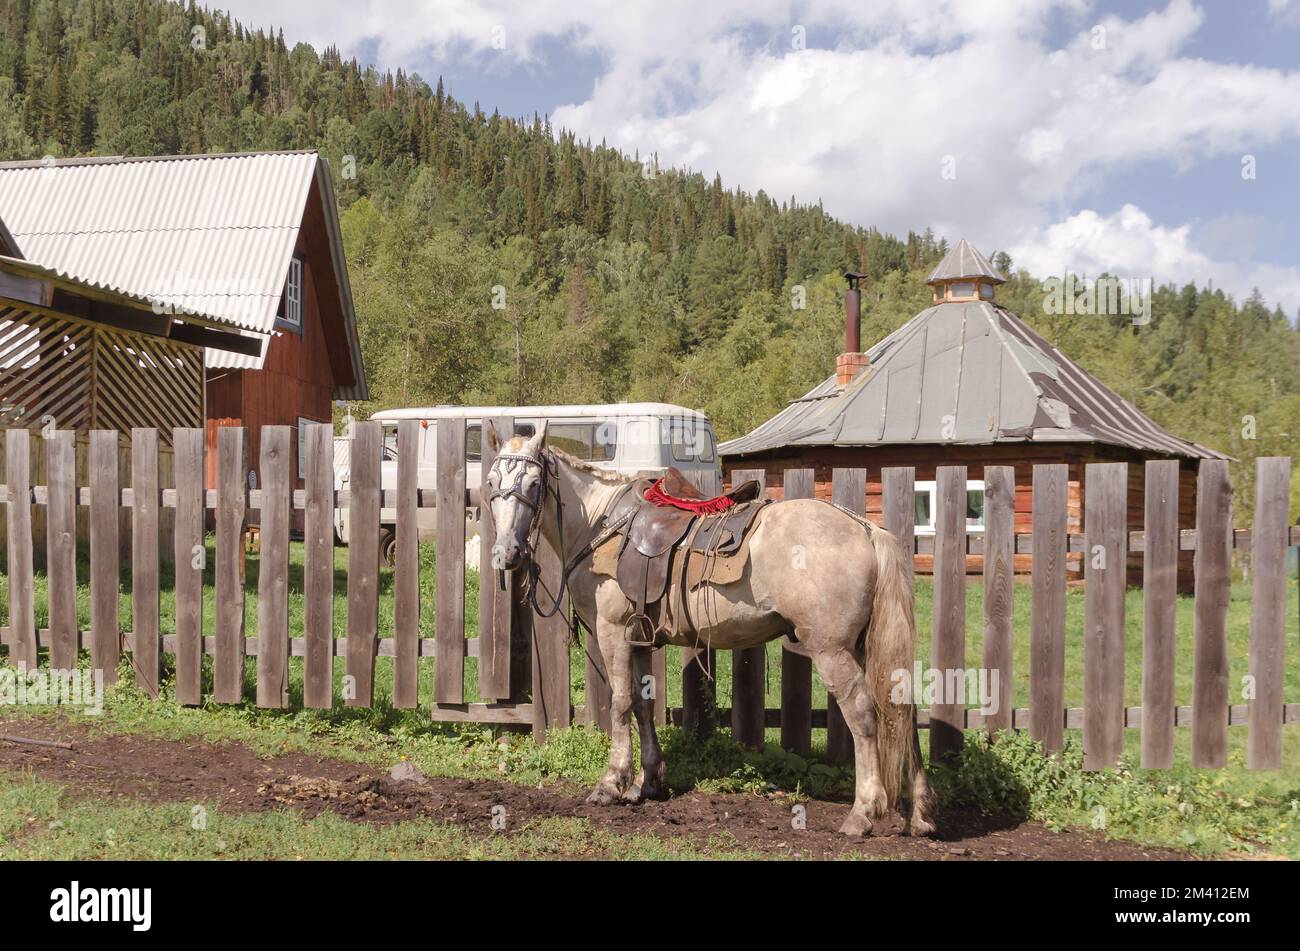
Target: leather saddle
{"x": 658, "y": 539}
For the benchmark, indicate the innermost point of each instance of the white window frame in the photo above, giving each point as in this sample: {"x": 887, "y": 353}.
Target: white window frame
{"x": 929, "y": 486}
{"x": 293, "y": 294}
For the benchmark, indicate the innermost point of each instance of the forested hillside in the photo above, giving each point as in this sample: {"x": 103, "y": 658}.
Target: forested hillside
{"x": 613, "y": 279}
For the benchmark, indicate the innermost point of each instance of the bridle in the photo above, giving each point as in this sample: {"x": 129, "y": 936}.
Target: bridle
{"x": 548, "y": 484}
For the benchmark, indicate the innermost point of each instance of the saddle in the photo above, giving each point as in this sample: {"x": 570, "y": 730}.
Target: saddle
{"x": 664, "y": 526}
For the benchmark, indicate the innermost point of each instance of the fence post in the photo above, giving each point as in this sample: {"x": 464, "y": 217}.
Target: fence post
{"x": 495, "y": 616}
{"x": 318, "y": 569}
{"x": 406, "y": 582}
{"x": 1105, "y": 567}
{"x": 796, "y": 669}
{"x": 145, "y": 601}
{"x": 1159, "y": 592}
{"x": 1047, "y": 617}
{"x": 1213, "y": 587}
{"x": 1268, "y": 611}
{"x": 948, "y": 643}
{"x": 848, "y": 489}
{"x": 191, "y": 557}
{"x": 61, "y": 549}
{"x": 105, "y": 503}
{"x": 232, "y": 495}
{"x": 22, "y": 611}
{"x": 999, "y": 571}
{"x": 363, "y": 560}
{"x": 748, "y": 667}
{"x": 273, "y": 570}
{"x": 449, "y": 576}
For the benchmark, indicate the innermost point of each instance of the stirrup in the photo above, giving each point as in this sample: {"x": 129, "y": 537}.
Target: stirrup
{"x": 640, "y": 631}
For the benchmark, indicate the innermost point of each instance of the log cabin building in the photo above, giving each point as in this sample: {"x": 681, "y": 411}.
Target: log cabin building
{"x": 252, "y": 240}
{"x": 965, "y": 382}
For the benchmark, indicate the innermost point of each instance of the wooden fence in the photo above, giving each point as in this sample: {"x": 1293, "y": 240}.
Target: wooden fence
{"x": 523, "y": 661}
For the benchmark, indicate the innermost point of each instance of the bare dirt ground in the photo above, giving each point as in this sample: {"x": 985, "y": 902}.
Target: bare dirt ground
{"x": 147, "y": 769}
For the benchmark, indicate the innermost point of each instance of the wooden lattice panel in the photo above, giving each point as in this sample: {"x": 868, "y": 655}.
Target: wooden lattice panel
{"x": 45, "y": 370}
{"x": 146, "y": 382}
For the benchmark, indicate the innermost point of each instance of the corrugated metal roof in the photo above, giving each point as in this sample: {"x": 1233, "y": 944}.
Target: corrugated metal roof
{"x": 212, "y": 234}
{"x": 964, "y": 262}
{"x": 964, "y": 373}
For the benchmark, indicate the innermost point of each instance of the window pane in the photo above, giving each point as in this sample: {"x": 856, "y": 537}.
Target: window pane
{"x": 974, "y": 506}
{"x": 690, "y": 441}
{"x": 923, "y": 517}
{"x": 390, "y": 443}
{"x": 964, "y": 289}
{"x": 573, "y": 438}
{"x": 605, "y": 441}
{"x": 474, "y": 443}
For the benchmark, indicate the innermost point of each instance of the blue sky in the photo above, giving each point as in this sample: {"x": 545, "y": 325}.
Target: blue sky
{"x": 1074, "y": 134}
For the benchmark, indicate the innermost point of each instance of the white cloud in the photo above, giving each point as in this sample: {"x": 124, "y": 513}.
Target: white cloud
{"x": 1129, "y": 244}
{"x": 866, "y": 125}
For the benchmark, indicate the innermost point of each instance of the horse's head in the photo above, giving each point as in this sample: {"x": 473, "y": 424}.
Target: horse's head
{"x": 516, "y": 493}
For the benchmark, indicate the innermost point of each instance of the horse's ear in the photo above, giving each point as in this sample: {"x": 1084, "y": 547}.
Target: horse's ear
{"x": 538, "y": 439}
{"x": 493, "y": 440}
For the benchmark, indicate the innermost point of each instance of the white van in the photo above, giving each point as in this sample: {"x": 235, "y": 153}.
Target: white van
{"x": 638, "y": 439}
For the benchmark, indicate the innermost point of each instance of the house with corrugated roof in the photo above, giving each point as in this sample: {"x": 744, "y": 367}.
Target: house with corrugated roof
{"x": 252, "y": 240}
{"x": 964, "y": 382}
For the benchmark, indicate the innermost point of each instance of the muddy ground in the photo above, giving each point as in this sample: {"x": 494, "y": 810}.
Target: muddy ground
{"x": 147, "y": 769}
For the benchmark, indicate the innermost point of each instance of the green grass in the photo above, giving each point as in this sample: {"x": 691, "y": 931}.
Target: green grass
{"x": 1208, "y": 810}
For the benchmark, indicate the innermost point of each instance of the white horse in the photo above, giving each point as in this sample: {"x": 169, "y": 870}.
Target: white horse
{"x": 845, "y": 601}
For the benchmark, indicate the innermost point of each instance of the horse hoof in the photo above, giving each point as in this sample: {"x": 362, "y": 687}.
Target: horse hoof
{"x": 920, "y": 826}
{"x": 603, "y": 795}
{"x": 634, "y": 794}
{"x": 856, "y": 825}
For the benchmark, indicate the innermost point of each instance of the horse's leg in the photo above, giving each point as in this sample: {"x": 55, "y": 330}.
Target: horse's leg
{"x": 843, "y": 677}
{"x": 651, "y": 784}
{"x": 922, "y": 821}
{"x": 615, "y": 651}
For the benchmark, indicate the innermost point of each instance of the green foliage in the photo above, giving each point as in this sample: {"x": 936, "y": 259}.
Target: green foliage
{"x": 618, "y": 279}
{"x": 1183, "y": 807}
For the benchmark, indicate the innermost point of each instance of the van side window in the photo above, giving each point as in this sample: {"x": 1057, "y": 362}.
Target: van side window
{"x": 690, "y": 441}
{"x": 474, "y": 443}
{"x": 390, "y": 442}
{"x": 588, "y": 441}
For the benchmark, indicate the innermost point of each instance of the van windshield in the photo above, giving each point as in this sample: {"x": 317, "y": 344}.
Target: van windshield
{"x": 594, "y": 442}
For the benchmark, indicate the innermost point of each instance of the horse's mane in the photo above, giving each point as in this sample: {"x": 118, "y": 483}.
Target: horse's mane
{"x": 601, "y": 475}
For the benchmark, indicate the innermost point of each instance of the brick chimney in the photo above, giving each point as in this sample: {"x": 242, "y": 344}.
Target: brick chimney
{"x": 852, "y": 361}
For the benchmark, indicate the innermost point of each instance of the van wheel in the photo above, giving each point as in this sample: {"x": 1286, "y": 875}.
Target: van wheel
{"x": 388, "y": 546}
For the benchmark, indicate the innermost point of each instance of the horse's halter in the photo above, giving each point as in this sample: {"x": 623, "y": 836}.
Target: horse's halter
{"x": 517, "y": 465}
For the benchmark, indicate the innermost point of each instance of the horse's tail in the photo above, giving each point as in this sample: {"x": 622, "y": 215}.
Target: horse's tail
{"x": 891, "y": 647}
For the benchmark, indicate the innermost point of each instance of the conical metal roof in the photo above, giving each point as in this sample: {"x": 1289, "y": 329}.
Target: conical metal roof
{"x": 964, "y": 373}
{"x": 964, "y": 262}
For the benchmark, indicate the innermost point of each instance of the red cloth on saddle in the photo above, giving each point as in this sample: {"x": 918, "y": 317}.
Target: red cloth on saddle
{"x": 659, "y": 497}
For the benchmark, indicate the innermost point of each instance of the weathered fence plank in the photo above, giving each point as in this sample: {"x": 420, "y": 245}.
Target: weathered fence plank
{"x": 948, "y": 644}
{"x": 1047, "y": 616}
{"x": 228, "y": 666}
{"x": 273, "y": 571}
{"x": 104, "y": 507}
{"x": 796, "y": 669}
{"x": 848, "y": 489}
{"x": 145, "y": 595}
{"x": 22, "y": 610}
{"x": 61, "y": 548}
{"x": 999, "y": 543}
{"x": 363, "y": 561}
{"x": 318, "y": 568}
{"x": 191, "y": 556}
{"x": 406, "y": 581}
{"x": 495, "y": 615}
{"x": 1105, "y": 568}
{"x": 898, "y": 490}
{"x": 550, "y": 645}
{"x": 1159, "y": 609}
{"x": 1268, "y": 612}
{"x": 748, "y": 667}
{"x": 1213, "y": 583}
{"x": 449, "y": 599}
